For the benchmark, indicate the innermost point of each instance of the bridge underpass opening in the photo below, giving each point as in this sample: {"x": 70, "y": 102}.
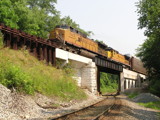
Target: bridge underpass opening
{"x": 108, "y": 80}
{"x": 108, "y": 83}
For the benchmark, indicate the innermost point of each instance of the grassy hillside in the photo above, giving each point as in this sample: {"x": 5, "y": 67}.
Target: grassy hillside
{"x": 21, "y": 71}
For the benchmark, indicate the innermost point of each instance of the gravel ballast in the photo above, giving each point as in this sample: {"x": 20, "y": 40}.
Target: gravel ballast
{"x": 145, "y": 98}
{"x": 15, "y": 106}
{"x": 130, "y": 110}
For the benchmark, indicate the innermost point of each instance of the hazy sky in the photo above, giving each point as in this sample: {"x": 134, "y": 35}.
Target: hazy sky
{"x": 112, "y": 21}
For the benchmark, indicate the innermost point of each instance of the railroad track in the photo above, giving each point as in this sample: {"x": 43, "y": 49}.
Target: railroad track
{"x": 93, "y": 112}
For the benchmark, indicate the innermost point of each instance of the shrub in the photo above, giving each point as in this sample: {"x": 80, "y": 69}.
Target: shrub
{"x": 12, "y": 76}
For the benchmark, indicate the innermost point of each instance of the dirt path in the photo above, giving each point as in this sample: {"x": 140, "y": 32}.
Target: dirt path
{"x": 128, "y": 110}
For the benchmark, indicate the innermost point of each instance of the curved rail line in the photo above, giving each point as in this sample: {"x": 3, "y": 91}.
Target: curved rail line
{"x": 93, "y": 112}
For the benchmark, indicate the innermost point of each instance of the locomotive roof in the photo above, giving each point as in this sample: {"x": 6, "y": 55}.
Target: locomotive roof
{"x": 102, "y": 44}
{"x": 126, "y": 56}
{"x": 109, "y": 48}
{"x": 71, "y": 29}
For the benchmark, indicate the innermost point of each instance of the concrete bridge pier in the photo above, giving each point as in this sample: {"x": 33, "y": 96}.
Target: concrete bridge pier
{"x": 89, "y": 77}
{"x": 133, "y": 84}
{"x": 127, "y": 83}
{"x": 85, "y": 70}
{"x": 138, "y": 81}
{"x": 121, "y": 82}
{"x": 130, "y": 83}
{"x": 85, "y": 75}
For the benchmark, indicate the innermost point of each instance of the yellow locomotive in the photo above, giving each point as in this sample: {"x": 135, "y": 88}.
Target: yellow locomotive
{"x": 69, "y": 35}
{"x": 116, "y": 56}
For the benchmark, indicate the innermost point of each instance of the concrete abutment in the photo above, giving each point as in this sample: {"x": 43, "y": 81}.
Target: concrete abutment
{"x": 131, "y": 79}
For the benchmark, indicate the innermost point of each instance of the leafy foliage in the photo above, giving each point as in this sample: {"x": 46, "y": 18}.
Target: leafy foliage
{"x": 154, "y": 85}
{"x": 149, "y": 14}
{"x": 13, "y": 77}
{"x": 108, "y": 82}
{"x": 68, "y": 21}
{"x": 7, "y": 14}
{"x": 37, "y": 17}
{"x": 149, "y": 52}
{"x": 48, "y": 5}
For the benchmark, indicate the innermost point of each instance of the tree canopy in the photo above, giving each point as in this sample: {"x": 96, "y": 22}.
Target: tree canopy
{"x": 7, "y": 14}
{"x": 68, "y": 21}
{"x": 149, "y": 51}
{"x": 36, "y": 17}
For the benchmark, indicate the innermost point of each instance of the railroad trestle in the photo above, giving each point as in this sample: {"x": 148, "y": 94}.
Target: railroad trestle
{"x": 39, "y": 47}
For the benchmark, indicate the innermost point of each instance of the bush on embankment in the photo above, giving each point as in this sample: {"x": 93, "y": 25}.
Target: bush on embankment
{"x": 23, "y": 72}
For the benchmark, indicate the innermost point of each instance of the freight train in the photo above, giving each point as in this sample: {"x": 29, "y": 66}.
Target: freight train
{"x": 90, "y": 48}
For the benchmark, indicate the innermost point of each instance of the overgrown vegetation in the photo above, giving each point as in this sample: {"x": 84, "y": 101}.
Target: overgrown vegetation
{"x": 108, "y": 83}
{"x": 21, "y": 71}
{"x": 14, "y": 78}
{"x": 149, "y": 52}
{"x": 153, "y": 105}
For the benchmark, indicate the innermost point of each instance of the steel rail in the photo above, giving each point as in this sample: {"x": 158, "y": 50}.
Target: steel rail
{"x": 67, "y": 115}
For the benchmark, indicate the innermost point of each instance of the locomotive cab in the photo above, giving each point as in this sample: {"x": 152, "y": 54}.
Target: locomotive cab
{"x": 59, "y": 33}
{"x": 101, "y": 48}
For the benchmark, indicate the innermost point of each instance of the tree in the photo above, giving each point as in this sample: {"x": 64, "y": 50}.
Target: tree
{"x": 34, "y": 20}
{"x": 7, "y": 14}
{"x": 68, "y": 21}
{"x": 48, "y": 5}
{"x": 36, "y": 17}
{"x": 149, "y": 16}
{"x": 30, "y": 20}
{"x": 149, "y": 51}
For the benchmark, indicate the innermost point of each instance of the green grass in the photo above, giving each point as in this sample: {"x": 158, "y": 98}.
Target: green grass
{"x": 108, "y": 89}
{"x": 36, "y": 76}
{"x": 132, "y": 95}
{"x": 153, "y": 105}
